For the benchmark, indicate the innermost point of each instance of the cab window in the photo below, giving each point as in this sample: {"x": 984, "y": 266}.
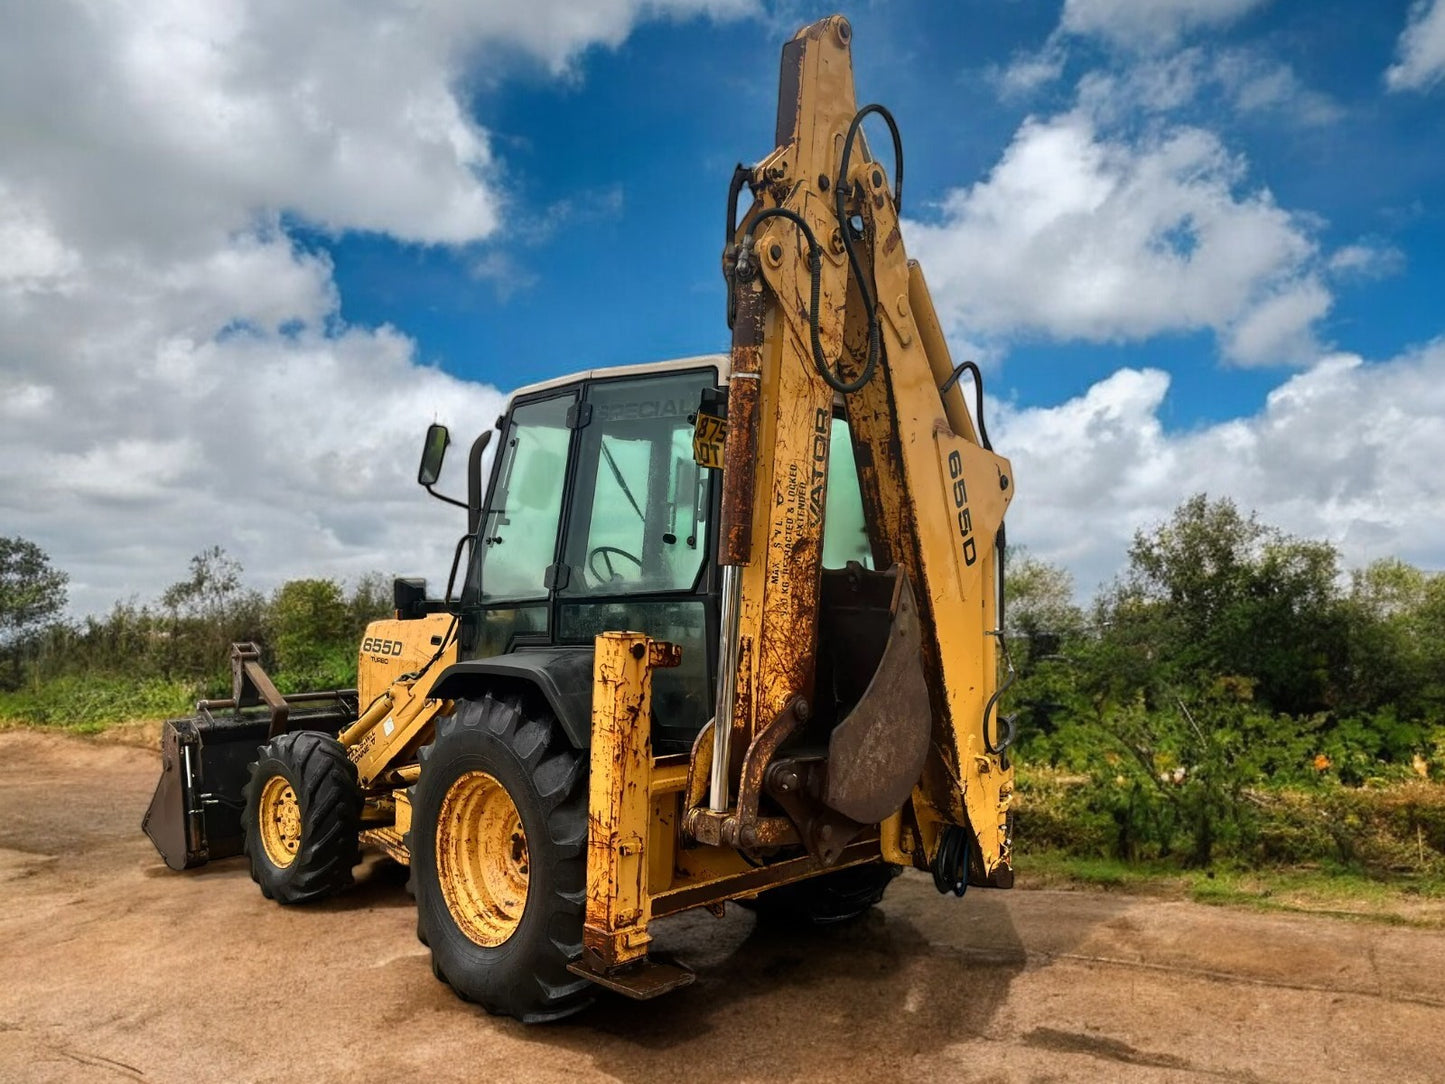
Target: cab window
{"x": 845, "y": 531}
{"x": 639, "y": 503}
{"x": 519, "y": 535}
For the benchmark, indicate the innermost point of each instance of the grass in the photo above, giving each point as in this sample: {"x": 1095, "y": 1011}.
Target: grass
{"x": 1342, "y": 892}
{"x": 91, "y": 705}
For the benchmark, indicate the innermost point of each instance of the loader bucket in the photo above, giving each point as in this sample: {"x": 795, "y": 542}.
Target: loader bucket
{"x": 195, "y": 814}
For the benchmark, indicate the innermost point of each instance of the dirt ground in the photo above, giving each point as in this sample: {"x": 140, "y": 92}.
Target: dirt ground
{"x": 116, "y": 968}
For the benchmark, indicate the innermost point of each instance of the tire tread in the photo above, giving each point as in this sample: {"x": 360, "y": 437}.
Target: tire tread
{"x": 324, "y": 778}
{"x": 556, "y": 776}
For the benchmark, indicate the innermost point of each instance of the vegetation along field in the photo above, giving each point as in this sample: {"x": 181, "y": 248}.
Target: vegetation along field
{"x": 1236, "y": 714}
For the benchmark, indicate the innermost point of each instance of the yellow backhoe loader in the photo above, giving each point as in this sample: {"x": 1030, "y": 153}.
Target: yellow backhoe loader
{"x": 724, "y": 628}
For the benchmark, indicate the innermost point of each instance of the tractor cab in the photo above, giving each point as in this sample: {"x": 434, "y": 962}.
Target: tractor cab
{"x": 598, "y": 517}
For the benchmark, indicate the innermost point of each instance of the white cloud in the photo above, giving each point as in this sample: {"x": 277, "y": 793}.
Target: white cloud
{"x": 1335, "y": 453}
{"x": 174, "y": 372}
{"x": 1077, "y": 234}
{"x": 1421, "y": 49}
{"x": 201, "y": 114}
{"x": 1026, "y": 72}
{"x": 1255, "y": 83}
{"x": 1149, "y": 24}
{"x": 32, "y": 257}
{"x": 1367, "y": 259}
{"x": 1149, "y": 87}
{"x": 1277, "y": 326}
{"x": 1126, "y": 216}
{"x": 152, "y": 412}
{"x": 1249, "y": 82}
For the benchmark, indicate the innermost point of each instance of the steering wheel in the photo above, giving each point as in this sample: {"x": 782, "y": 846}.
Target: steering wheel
{"x": 606, "y": 552}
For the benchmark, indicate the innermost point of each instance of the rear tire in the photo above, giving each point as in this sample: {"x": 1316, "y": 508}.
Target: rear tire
{"x": 827, "y": 899}
{"x": 302, "y": 818}
{"x": 498, "y": 857}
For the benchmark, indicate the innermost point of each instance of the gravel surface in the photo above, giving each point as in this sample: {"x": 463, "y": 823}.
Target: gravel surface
{"x": 116, "y": 968}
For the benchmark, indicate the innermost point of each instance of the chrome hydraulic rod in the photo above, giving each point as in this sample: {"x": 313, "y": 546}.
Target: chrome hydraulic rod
{"x": 727, "y": 676}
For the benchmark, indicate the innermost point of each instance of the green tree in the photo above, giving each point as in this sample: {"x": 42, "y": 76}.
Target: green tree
{"x": 1214, "y": 593}
{"x": 208, "y": 610}
{"x": 32, "y": 593}
{"x": 1046, "y": 630}
{"x": 1042, "y": 614}
{"x": 32, "y": 597}
{"x": 1428, "y": 627}
{"x": 310, "y": 633}
{"x": 214, "y": 583}
{"x": 370, "y": 599}
{"x": 1392, "y": 698}
{"x": 1386, "y": 661}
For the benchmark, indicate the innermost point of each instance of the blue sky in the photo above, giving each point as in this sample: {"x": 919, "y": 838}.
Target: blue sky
{"x": 249, "y": 252}
{"x": 624, "y": 165}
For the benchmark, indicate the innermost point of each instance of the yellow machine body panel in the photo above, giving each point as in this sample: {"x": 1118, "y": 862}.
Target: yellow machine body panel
{"x": 392, "y": 647}
{"x": 396, "y": 713}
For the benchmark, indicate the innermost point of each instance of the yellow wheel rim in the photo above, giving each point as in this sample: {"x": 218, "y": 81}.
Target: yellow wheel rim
{"x": 482, "y": 859}
{"x": 280, "y": 815}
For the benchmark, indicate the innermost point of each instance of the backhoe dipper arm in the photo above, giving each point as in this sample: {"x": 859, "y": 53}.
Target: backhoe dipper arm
{"x": 814, "y": 321}
{"x": 780, "y": 410}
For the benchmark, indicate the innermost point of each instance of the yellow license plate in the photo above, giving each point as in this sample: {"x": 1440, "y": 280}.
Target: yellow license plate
{"x": 709, "y": 435}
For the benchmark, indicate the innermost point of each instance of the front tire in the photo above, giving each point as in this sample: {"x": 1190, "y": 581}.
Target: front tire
{"x": 303, "y": 817}
{"x": 498, "y": 856}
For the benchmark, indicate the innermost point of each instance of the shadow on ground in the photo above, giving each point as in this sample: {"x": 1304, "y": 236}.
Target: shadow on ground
{"x": 778, "y": 1001}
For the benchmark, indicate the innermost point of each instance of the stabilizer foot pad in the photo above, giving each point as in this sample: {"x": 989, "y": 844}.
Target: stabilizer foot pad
{"x": 644, "y": 979}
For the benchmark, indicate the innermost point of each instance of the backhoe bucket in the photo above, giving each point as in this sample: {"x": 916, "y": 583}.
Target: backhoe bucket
{"x": 195, "y": 814}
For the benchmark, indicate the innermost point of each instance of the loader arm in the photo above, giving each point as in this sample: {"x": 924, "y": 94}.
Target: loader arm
{"x": 815, "y": 324}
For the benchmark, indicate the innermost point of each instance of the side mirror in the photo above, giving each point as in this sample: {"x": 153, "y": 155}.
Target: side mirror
{"x": 433, "y": 451}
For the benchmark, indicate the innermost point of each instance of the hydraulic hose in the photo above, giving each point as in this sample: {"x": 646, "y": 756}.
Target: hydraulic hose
{"x": 882, "y": 111}
{"x": 815, "y": 269}
{"x": 972, "y": 369}
{"x": 735, "y": 187}
{"x": 845, "y": 229}
{"x": 737, "y": 261}
{"x": 1007, "y": 729}
{"x": 950, "y": 864}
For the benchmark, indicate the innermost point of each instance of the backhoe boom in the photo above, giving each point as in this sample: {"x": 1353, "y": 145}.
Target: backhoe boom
{"x": 829, "y": 311}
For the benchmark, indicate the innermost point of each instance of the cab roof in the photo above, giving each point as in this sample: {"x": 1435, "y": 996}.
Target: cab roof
{"x": 721, "y": 362}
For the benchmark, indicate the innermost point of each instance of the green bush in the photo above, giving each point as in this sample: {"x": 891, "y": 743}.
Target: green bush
{"x": 1057, "y": 811}
{"x": 155, "y": 660}
{"x": 328, "y": 667}
{"x": 1380, "y": 830}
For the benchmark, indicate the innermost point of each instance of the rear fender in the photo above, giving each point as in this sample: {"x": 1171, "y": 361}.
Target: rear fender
{"x": 561, "y": 675}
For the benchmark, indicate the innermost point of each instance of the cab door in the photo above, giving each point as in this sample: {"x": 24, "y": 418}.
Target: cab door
{"x": 637, "y": 543}
{"x": 510, "y": 580}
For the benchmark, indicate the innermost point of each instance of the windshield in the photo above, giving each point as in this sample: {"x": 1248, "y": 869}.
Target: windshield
{"x": 639, "y": 503}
